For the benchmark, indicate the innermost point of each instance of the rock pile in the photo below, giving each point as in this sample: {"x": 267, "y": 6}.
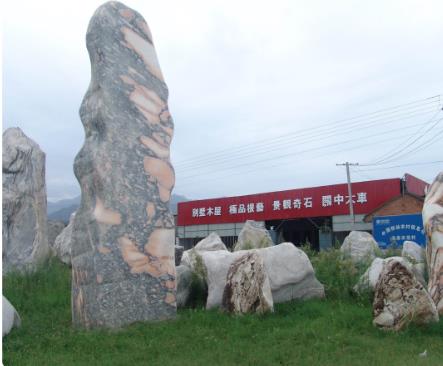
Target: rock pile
{"x": 290, "y": 273}
{"x": 63, "y": 242}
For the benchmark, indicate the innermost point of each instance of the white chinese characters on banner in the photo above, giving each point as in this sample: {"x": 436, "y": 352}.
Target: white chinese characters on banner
{"x": 259, "y": 207}
{"x": 243, "y": 208}
{"x": 308, "y": 202}
{"x": 206, "y": 211}
{"x": 326, "y": 201}
{"x": 285, "y": 204}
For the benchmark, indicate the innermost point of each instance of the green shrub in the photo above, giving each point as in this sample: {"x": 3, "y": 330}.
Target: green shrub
{"x": 198, "y": 292}
{"x": 338, "y": 274}
{"x": 198, "y": 289}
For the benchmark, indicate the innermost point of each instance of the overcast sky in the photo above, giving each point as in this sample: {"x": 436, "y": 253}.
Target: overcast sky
{"x": 249, "y": 82}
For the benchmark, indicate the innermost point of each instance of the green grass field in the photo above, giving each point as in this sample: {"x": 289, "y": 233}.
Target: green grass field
{"x": 328, "y": 332}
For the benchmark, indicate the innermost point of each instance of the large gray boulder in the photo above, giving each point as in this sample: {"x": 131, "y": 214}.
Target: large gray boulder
{"x": 63, "y": 242}
{"x": 247, "y": 288}
{"x": 291, "y": 275}
{"x": 192, "y": 257}
{"x": 433, "y": 223}
{"x": 400, "y": 299}
{"x": 10, "y": 317}
{"x": 253, "y": 235}
{"x": 123, "y": 236}
{"x": 359, "y": 246}
{"x": 25, "y": 240}
{"x": 369, "y": 279}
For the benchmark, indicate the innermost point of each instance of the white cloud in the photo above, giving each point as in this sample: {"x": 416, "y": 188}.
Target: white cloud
{"x": 238, "y": 72}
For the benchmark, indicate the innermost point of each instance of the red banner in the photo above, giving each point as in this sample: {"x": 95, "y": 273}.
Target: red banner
{"x": 415, "y": 185}
{"x": 296, "y": 203}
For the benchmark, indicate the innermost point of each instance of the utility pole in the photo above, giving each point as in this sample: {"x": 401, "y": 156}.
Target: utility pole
{"x": 351, "y": 205}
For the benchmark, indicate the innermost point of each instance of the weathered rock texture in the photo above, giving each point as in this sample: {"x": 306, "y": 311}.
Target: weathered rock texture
{"x": 54, "y": 230}
{"x": 123, "y": 235}
{"x": 359, "y": 246}
{"x": 63, "y": 242}
{"x": 413, "y": 252}
{"x": 433, "y": 223}
{"x": 368, "y": 281}
{"x": 247, "y": 288}
{"x": 10, "y": 317}
{"x": 25, "y": 241}
{"x": 253, "y": 235}
{"x": 400, "y": 299}
{"x": 291, "y": 275}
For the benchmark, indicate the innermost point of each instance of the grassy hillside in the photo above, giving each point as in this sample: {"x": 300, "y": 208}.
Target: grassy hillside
{"x": 336, "y": 331}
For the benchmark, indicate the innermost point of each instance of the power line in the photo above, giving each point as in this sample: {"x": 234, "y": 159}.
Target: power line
{"x": 268, "y": 167}
{"x": 391, "y": 156}
{"x": 426, "y": 102}
{"x": 219, "y": 169}
{"x": 403, "y": 165}
{"x": 260, "y": 150}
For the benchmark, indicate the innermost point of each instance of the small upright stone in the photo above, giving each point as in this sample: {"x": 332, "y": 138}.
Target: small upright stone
{"x": 25, "y": 241}
{"x": 247, "y": 288}
{"x": 63, "y": 242}
{"x": 253, "y": 235}
{"x": 360, "y": 246}
{"x": 123, "y": 233}
{"x": 54, "y": 230}
{"x": 433, "y": 223}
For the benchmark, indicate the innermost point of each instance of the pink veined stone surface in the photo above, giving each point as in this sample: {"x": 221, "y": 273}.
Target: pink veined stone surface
{"x": 123, "y": 233}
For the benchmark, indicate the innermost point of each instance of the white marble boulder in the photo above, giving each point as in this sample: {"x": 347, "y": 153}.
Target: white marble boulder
{"x": 25, "y": 240}
{"x": 359, "y": 246}
{"x": 369, "y": 279}
{"x": 63, "y": 242}
{"x": 247, "y": 288}
{"x": 184, "y": 283}
{"x": 400, "y": 299}
{"x": 413, "y": 252}
{"x": 192, "y": 257}
{"x": 291, "y": 275}
{"x": 253, "y": 235}
{"x": 123, "y": 237}
{"x": 433, "y": 223}
{"x": 10, "y": 317}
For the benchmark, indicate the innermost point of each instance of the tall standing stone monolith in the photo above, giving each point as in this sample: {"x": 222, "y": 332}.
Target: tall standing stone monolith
{"x": 25, "y": 241}
{"x": 433, "y": 223}
{"x": 123, "y": 234}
